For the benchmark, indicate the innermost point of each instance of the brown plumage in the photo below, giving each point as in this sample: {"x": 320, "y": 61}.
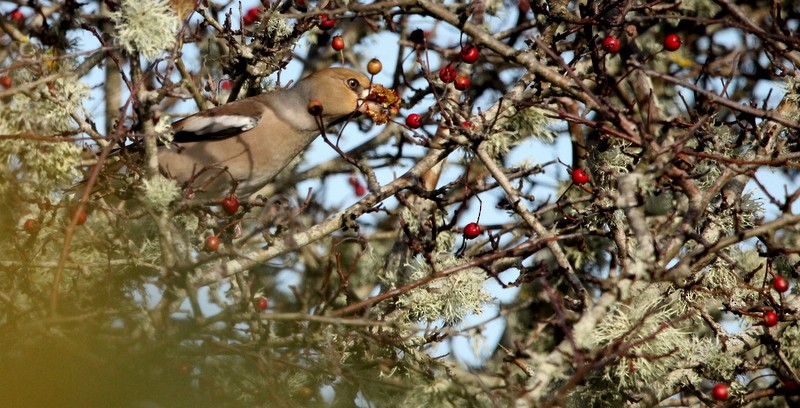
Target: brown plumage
{"x": 251, "y": 140}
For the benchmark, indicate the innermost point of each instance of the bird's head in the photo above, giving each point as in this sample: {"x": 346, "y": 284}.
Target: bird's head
{"x": 342, "y": 93}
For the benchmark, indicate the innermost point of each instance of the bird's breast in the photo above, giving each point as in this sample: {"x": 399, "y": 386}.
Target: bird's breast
{"x": 248, "y": 161}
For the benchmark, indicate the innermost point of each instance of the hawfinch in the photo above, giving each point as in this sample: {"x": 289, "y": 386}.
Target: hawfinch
{"x": 248, "y": 142}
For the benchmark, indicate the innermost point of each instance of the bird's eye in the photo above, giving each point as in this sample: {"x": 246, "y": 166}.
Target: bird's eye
{"x": 353, "y": 83}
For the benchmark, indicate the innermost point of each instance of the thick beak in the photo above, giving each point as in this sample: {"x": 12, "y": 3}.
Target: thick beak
{"x": 366, "y": 101}
{"x": 377, "y": 102}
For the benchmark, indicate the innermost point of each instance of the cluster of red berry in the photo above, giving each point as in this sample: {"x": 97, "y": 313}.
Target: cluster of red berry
{"x": 612, "y": 44}
{"x": 31, "y": 226}
{"x": 230, "y": 205}
{"x": 770, "y": 318}
{"x": 469, "y": 54}
{"x": 447, "y": 74}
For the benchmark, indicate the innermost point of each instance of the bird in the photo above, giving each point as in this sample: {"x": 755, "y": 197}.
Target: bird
{"x": 239, "y": 147}
{"x": 247, "y": 142}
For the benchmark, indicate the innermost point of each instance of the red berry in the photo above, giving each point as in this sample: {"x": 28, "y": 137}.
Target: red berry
{"x": 447, "y": 74}
{"x": 462, "y": 83}
{"x": 337, "y": 43}
{"x": 262, "y": 303}
{"x": 720, "y": 392}
{"x": 579, "y": 177}
{"x": 212, "y": 244}
{"x": 251, "y": 16}
{"x": 467, "y": 125}
{"x": 414, "y": 121}
{"x": 770, "y": 318}
{"x": 30, "y": 226}
{"x": 469, "y": 54}
{"x": 672, "y": 42}
{"x": 790, "y": 386}
{"x": 230, "y": 204}
{"x": 325, "y": 23}
{"x": 5, "y": 81}
{"x": 16, "y": 15}
{"x": 780, "y": 284}
{"x": 81, "y": 216}
{"x": 472, "y": 230}
{"x": 611, "y": 44}
{"x": 225, "y": 84}
{"x": 360, "y": 190}
{"x": 417, "y": 36}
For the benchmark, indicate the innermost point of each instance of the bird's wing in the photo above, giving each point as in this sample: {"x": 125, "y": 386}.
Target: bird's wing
{"x": 221, "y": 122}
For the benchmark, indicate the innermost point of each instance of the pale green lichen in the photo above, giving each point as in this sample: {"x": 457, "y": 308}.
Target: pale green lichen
{"x": 793, "y": 96}
{"x": 719, "y": 276}
{"x": 146, "y": 26}
{"x": 790, "y": 344}
{"x": 445, "y": 241}
{"x": 278, "y": 28}
{"x": 708, "y": 172}
{"x": 699, "y": 8}
{"x": 717, "y": 364}
{"x": 657, "y": 346}
{"x": 450, "y": 298}
{"x": 434, "y": 386}
{"x": 604, "y": 395}
{"x": 748, "y": 263}
{"x": 514, "y": 126}
{"x": 189, "y": 222}
{"x": 46, "y": 109}
{"x": 160, "y": 191}
{"x": 688, "y": 300}
{"x": 411, "y": 220}
{"x": 724, "y": 142}
{"x": 746, "y": 214}
{"x": 149, "y": 249}
{"x": 35, "y": 167}
{"x": 618, "y": 158}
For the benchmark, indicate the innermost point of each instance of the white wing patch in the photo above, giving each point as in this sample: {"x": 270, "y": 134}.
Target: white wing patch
{"x": 202, "y": 125}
